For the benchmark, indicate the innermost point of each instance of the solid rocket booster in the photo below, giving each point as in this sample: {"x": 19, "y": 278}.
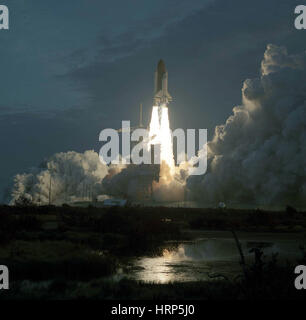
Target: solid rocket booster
{"x": 161, "y": 94}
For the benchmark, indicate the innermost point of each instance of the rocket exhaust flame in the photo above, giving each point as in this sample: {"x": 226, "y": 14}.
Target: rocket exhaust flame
{"x": 160, "y": 128}
{"x": 154, "y": 126}
{"x": 166, "y": 140}
{"x": 159, "y": 125}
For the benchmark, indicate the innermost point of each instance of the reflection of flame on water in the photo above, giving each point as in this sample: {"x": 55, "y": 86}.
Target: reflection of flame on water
{"x": 172, "y": 255}
{"x": 193, "y": 261}
{"x": 166, "y": 253}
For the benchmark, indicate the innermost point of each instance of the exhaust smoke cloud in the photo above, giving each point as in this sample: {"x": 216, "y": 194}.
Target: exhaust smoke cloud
{"x": 257, "y": 157}
{"x": 61, "y": 178}
{"x": 259, "y": 154}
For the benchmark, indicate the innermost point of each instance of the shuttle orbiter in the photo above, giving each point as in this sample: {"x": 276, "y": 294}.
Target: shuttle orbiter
{"x": 161, "y": 94}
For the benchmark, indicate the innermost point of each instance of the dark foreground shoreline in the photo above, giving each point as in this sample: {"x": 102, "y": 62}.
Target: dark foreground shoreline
{"x": 72, "y": 253}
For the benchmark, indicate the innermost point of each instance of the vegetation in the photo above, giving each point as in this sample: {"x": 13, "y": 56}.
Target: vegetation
{"x": 262, "y": 281}
{"x": 69, "y": 252}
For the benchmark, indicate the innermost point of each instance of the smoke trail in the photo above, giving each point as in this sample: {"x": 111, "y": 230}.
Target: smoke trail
{"x": 259, "y": 154}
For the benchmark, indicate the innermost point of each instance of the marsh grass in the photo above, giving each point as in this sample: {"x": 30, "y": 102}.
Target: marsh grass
{"x": 77, "y": 257}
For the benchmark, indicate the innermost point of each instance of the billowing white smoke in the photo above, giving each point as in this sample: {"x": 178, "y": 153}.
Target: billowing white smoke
{"x": 62, "y": 176}
{"x": 259, "y": 154}
{"x": 172, "y": 183}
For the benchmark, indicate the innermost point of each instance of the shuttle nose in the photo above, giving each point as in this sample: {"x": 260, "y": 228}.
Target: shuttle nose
{"x": 161, "y": 67}
{"x": 161, "y": 95}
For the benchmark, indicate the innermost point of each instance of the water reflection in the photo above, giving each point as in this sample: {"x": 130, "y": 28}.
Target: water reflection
{"x": 196, "y": 260}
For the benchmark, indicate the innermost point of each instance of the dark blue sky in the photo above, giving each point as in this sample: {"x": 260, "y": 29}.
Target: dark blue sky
{"x": 71, "y": 68}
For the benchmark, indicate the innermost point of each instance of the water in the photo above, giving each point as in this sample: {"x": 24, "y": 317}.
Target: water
{"x": 210, "y": 254}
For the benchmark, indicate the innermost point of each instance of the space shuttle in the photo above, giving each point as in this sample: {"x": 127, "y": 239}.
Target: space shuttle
{"x": 161, "y": 94}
